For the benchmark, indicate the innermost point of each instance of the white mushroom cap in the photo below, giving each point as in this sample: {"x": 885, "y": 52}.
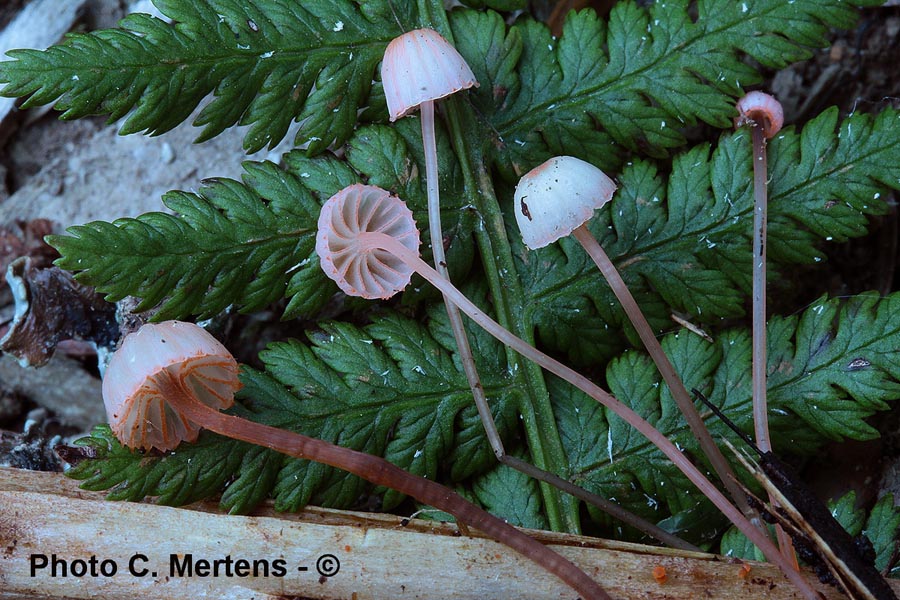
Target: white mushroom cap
{"x": 418, "y": 66}
{"x": 557, "y": 197}
{"x": 136, "y": 378}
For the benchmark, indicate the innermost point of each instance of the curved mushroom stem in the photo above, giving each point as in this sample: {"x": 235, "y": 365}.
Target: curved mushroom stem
{"x": 380, "y": 472}
{"x": 468, "y": 360}
{"x": 370, "y": 241}
{"x": 676, "y": 386}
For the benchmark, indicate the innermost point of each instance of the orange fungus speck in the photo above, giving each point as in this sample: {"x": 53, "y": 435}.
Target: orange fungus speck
{"x": 744, "y": 571}
{"x": 659, "y": 574}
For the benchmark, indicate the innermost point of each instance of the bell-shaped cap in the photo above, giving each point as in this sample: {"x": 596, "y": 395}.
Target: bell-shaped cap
{"x": 359, "y": 266}
{"x": 557, "y": 197}
{"x": 762, "y": 109}
{"x": 421, "y": 65}
{"x": 151, "y": 363}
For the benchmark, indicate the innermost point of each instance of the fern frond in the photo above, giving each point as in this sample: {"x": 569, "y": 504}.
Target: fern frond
{"x": 250, "y": 244}
{"x": 682, "y": 242}
{"x": 630, "y": 84}
{"x": 388, "y": 389}
{"x": 266, "y": 63}
{"x": 228, "y": 244}
{"x": 817, "y": 391}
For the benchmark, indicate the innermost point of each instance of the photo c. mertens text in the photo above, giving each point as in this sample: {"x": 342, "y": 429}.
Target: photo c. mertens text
{"x": 140, "y": 565}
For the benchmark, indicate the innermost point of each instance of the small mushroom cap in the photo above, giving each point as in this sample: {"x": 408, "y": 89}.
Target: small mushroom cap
{"x": 760, "y": 108}
{"x": 360, "y": 268}
{"x": 146, "y": 364}
{"x": 554, "y": 199}
{"x": 421, "y": 65}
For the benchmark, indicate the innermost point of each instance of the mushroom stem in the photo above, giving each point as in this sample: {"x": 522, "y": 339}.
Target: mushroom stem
{"x": 468, "y": 360}
{"x": 676, "y": 386}
{"x": 371, "y": 241}
{"x": 378, "y": 471}
{"x": 440, "y": 264}
{"x": 758, "y": 309}
{"x": 760, "y": 203}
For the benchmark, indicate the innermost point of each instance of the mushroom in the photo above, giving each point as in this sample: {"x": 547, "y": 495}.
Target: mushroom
{"x": 167, "y": 380}
{"x": 373, "y": 273}
{"x": 353, "y": 255}
{"x": 558, "y": 198}
{"x": 420, "y": 67}
{"x": 764, "y": 115}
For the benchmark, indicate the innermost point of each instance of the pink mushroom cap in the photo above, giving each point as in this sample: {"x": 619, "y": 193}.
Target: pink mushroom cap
{"x": 557, "y": 197}
{"x": 360, "y": 268}
{"x": 418, "y": 66}
{"x": 146, "y": 363}
{"x": 760, "y": 108}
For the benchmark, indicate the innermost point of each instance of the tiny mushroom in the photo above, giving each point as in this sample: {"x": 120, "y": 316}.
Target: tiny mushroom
{"x": 332, "y": 240}
{"x": 154, "y": 371}
{"x": 764, "y": 115}
{"x": 167, "y": 380}
{"x": 558, "y": 198}
{"x": 420, "y": 67}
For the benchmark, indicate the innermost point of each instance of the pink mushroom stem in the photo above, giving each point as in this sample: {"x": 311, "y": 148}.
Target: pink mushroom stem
{"x": 440, "y": 264}
{"x": 380, "y": 472}
{"x": 379, "y": 241}
{"x": 760, "y": 221}
{"x": 673, "y": 381}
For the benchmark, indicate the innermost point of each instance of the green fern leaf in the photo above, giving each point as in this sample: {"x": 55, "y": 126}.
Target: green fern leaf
{"x": 681, "y": 243}
{"x": 266, "y": 63}
{"x": 195, "y": 472}
{"x": 881, "y": 528}
{"x": 228, "y": 244}
{"x": 631, "y": 83}
{"x": 252, "y": 244}
{"x": 829, "y": 370}
{"x": 510, "y": 495}
{"x": 388, "y": 389}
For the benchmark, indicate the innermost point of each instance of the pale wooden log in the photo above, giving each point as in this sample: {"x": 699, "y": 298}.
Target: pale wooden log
{"x": 381, "y": 556}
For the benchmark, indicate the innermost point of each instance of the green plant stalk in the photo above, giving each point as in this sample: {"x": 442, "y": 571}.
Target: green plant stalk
{"x": 538, "y": 419}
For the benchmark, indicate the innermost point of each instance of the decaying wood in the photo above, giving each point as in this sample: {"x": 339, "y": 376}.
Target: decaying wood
{"x": 381, "y": 556}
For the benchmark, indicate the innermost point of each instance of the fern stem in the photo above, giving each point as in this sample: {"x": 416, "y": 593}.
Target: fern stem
{"x": 378, "y": 471}
{"x": 539, "y": 423}
{"x": 673, "y": 381}
{"x": 753, "y": 533}
{"x": 440, "y": 264}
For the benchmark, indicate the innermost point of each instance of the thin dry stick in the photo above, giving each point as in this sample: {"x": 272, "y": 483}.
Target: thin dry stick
{"x": 369, "y": 241}
{"x": 380, "y": 472}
